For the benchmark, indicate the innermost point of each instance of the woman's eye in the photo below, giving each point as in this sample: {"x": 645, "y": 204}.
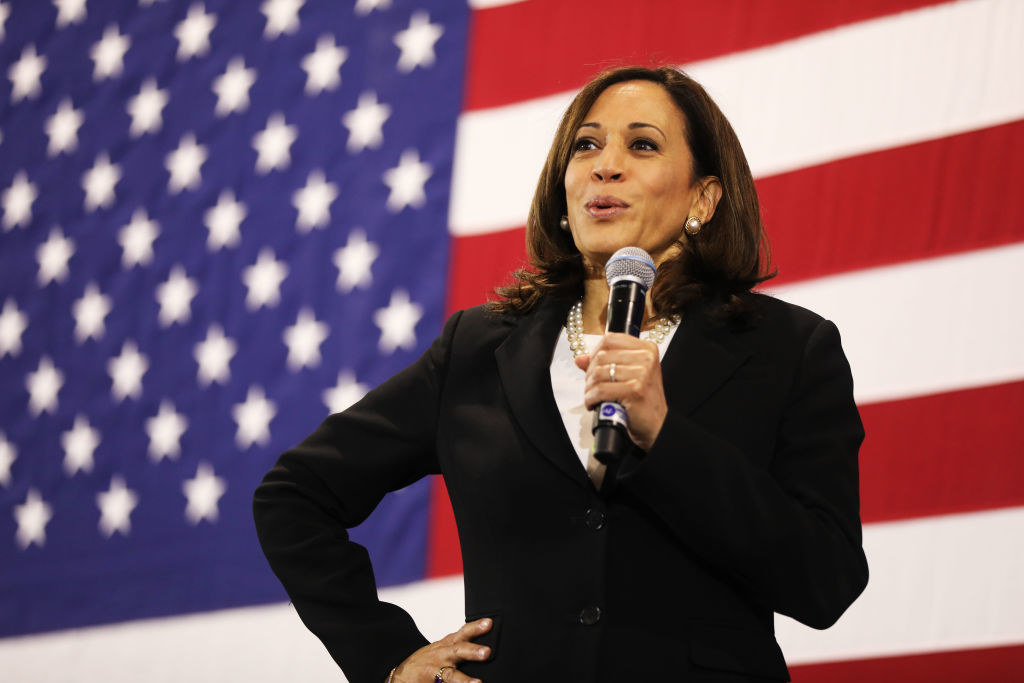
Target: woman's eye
{"x": 583, "y": 145}
{"x": 645, "y": 145}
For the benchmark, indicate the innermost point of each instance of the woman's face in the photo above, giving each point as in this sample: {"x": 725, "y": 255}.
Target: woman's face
{"x": 629, "y": 182}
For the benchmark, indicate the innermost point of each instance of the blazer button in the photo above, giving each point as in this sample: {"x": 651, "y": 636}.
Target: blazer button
{"x": 595, "y": 519}
{"x": 590, "y": 615}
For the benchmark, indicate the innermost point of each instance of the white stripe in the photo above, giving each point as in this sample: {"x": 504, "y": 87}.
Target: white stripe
{"x": 863, "y": 87}
{"x": 487, "y": 4}
{"x": 937, "y": 583}
{"x": 924, "y": 327}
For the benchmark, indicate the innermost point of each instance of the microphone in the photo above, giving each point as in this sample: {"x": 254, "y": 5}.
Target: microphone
{"x": 630, "y": 273}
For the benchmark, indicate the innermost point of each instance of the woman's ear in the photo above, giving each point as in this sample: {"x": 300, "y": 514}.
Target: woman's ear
{"x": 709, "y": 192}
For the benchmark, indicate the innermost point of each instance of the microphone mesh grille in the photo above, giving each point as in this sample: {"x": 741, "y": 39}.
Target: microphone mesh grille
{"x": 631, "y": 262}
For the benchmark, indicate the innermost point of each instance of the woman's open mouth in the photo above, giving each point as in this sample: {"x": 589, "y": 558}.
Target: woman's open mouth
{"x": 605, "y": 206}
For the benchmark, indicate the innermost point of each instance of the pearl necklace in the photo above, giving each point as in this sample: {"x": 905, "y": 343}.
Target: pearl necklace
{"x": 574, "y": 329}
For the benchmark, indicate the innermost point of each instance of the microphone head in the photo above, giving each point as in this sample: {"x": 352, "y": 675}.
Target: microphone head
{"x": 631, "y": 263}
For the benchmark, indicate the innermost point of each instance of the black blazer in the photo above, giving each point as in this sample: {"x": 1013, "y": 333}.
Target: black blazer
{"x": 747, "y": 504}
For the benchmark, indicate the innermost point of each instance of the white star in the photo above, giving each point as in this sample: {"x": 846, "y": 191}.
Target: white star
{"x": 282, "y": 17}
{"x": 263, "y": 280}
{"x": 62, "y": 128}
{"x": 313, "y": 202}
{"x": 25, "y": 74}
{"x": 12, "y": 323}
{"x": 164, "y": 430}
{"x": 90, "y": 313}
{"x": 69, "y": 12}
{"x": 184, "y": 164}
{"x": 406, "y": 181}
{"x": 232, "y": 87}
{"x": 322, "y": 66}
{"x": 8, "y": 454}
{"x": 108, "y": 54}
{"x": 136, "y": 239}
{"x": 5, "y": 11}
{"x": 126, "y": 372}
{"x": 417, "y": 42}
{"x": 146, "y": 109}
{"x": 43, "y": 386}
{"x": 203, "y": 493}
{"x": 214, "y": 355}
{"x": 397, "y": 322}
{"x": 79, "y": 444}
{"x": 175, "y": 297}
{"x": 343, "y": 394}
{"x": 116, "y": 505}
{"x": 253, "y": 418}
{"x": 193, "y": 33}
{"x": 272, "y": 144}
{"x": 353, "y": 262}
{"x": 32, "y": 516}
{"x": 304, "y": 339}
{"x": 364, "y": 7}
{"x": 222, "y": 220}
{"x": 365, "y": 123}
{"x": 99, "y": 182}
{"x": 18, "y": 200}
{"x": 53, "y": 256}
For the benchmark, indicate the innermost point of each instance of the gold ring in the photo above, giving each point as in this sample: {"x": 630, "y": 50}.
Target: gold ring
{"x": 439, "y": 676}
{"x": 611, "y": 371}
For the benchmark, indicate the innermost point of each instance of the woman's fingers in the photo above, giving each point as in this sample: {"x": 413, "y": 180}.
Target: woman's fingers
{"x": 427, "y": 662}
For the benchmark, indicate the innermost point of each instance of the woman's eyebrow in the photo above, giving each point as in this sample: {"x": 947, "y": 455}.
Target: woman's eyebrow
{"x": 640, "y": 124}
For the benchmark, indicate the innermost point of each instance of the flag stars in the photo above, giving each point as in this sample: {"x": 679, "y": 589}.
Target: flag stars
{"x": 53, "y": 256}
{"x": 90, "y": 313}
{"x": 146, "y": 109}
{"x": 406, "y": 181}
{"x": 354, "y": 260}
{"x": 282, "y": 17}
{"x": 116, "y": 505}
{"x": 12, "y": 325}
{"x": 79, "y": 444}
{"x": 364, "y": 7}
{"x": 343, "y": 394}
{"x": 175, "y": 297}
{"x": 32, "y": 517}
{"x": 164, "y": 431}
{"x": 322, "y": 66}
{"x": 26, "y": 74}
{"x": 99, "y": 182}
{"x": 43, "y": 386}
{"x": 17, "y": 201}
{"x": 303, "y": 340}
{"x": 184, "y": 164}
{"x": 5, "y": 11}
{"x": 136, "y": 239}
{"x": 273, "y": 144}
{"x": 8, "y": 454}
{"x": 232, "y": 87}
{"x": 223, "y": 220}
{"x": 108, "y": 54}
{"x": 397, "y": 323}
{"x": 214, "y": 355}
{"x": 365, "y": 123}
{"x": 313, "y": 202}
{"x": 417, "y": 42}
{"x": 203, "y": 493}
{"x": 62, "y": 128}
{"x": 253, "y": 417}
{"x": 126, "y": 371}
{"x": 263, "y": 280}
{"x": 69, "y": 12}
{"x": 193, "y": 33}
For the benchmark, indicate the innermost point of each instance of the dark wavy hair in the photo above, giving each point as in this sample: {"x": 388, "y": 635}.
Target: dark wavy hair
{"x": 729, "y": 256}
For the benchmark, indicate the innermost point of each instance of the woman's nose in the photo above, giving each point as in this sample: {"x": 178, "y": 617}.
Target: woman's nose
{"x": 608, "y": 166}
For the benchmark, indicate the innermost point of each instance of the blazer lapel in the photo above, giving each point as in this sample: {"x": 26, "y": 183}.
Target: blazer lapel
{"x": 524, "y": 360}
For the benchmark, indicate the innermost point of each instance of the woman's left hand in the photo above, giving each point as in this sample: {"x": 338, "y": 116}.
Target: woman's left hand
{"x": 637, "y": 383}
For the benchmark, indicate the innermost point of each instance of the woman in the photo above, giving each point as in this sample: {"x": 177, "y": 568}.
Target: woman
{"x": 739, "y": 499}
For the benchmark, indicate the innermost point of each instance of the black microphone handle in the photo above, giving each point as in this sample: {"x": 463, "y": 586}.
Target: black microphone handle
{"x": 625, "y": 314}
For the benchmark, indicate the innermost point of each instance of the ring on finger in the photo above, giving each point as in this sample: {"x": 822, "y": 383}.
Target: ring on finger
{"x": 611, "y": 371}
{"x": 439, "y": 676}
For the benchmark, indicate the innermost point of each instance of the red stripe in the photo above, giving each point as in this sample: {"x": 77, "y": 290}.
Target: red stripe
{"x": 988, "y": 665}
{"x": 531, "y": 49}
{"x": 479, "y": 263}
{"x": 444, "y": 556}
{"x": 947, "y": 453}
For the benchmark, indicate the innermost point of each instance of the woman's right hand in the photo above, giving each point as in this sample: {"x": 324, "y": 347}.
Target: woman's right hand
{"x": 422, "y": 665}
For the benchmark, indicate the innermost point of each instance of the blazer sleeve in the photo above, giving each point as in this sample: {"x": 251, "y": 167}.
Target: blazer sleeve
{"x": 330, "y": 483}
{"x": 791, "y": 533}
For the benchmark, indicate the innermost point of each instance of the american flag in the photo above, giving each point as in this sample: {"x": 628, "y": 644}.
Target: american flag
{"x": 221, "y": 220}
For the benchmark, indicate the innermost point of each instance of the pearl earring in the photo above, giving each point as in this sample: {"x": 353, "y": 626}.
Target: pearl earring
{"x": 564, "y": 223}
{"x": 693, "y": 225}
